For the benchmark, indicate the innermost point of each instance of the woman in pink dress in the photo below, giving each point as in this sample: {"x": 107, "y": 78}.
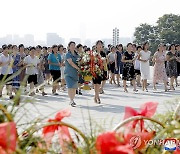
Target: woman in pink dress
{"x": 159, "y": 68}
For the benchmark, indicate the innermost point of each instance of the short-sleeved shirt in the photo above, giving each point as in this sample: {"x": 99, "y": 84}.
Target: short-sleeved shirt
{"x": 69, "y": 70}
{"x": 6, "y": 69}
{"x": 63, "y": 57}
{"x": 119, "y": 57}
{"x": 137, "y": 62}
{"x": 31, "y": 61}
{"x": 128, "y": 56}
{"x": 53, "y": 59}
{"x": 112, "y": 57}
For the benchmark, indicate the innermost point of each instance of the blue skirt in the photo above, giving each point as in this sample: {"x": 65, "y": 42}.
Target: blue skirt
{"x": 71, "y": 82}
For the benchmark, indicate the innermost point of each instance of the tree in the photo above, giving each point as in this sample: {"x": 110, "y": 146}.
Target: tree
{"x": 146, "y": 32}
{"x": 169, "y": 28}
{"x": 166, "y": 31}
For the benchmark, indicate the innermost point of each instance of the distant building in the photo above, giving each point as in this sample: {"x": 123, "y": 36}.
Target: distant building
{"x": 53, "y": 38}
{"x": 115, "y": 36}
{"x": 28, "y": 40}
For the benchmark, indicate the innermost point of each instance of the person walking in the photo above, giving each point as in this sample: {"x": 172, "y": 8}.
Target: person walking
{"x": 98, "y": 79}
{"x": 118, "y": 72}
{"x": 172, "y": 65}
{"x": 112, "y": 58}
{"x": 160, "y": 75}
{"x": 54, "y": 60}
{"x": 40, "y": 75}
{"x": 128, "y": 68}
{"x": 71, "y": 72}
{"x": 6, "y": 63}
{"x": 144, "y": 57}
{"x": 16, "y": 64}
{"x": 137, "y": 66}
{"x": 32, "y": 63}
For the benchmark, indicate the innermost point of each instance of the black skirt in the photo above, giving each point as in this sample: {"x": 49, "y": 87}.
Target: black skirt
{"x": 112, "y": 67}
{"x": 32, "y": 79}
{"x": 128, "y": 72}
{"x": 105, "y": 76}
{"x": 97, "y": 80}
{"x": 56, "y": 75}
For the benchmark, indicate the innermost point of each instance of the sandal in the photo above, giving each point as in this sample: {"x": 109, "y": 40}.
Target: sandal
{"x": 43, "y": 93}
{"x": 32, "y": 94}
{"x": 99, "y": 101}
{"x": 95, "y": 100}
{"x": 125, "y": 90}
{"x": 172, "y": 88}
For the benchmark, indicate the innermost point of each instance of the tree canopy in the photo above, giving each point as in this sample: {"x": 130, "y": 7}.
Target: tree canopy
{"x": 166, "y": 30}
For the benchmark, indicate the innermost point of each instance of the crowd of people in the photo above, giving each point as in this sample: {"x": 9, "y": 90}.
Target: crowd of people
{"x": 38, "y": 66}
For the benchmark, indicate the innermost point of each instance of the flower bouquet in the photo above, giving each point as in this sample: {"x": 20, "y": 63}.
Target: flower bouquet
{"x": 90, "y": 64}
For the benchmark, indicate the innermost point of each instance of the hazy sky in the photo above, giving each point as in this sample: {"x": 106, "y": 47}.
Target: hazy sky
{"x": 80, "y": 18}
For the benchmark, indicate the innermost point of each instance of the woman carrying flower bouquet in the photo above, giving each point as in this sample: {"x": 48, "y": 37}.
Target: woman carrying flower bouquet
{"x": 98, "y": 71}
{"x": 71, "y": 72}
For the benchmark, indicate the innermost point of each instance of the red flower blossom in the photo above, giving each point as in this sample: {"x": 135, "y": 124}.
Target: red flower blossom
{"x": 8, "y": 137}
{"x": 64, "y": 135}
{"x": 110, "y": 143}
{"x": 148, "y": 109}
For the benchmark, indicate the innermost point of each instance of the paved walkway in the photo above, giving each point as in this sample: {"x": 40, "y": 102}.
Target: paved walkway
{"x": 107, "y": 115}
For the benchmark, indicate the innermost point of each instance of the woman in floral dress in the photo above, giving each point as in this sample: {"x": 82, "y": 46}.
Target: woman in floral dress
{"x": 16, "y": 58}
{"x": 172, "y": 65}
{"x": 22, "y": 56}
{"x": 128, "y": 68}
{"x": 159, "y": 68}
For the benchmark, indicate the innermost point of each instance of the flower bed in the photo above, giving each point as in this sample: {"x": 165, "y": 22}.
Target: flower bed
{"x": 136, "y": 134}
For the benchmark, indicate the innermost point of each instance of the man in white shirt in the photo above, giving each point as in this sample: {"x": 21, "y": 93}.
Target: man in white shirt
{"x": 6, "y": 62}
{"x": 32, "y": 64}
